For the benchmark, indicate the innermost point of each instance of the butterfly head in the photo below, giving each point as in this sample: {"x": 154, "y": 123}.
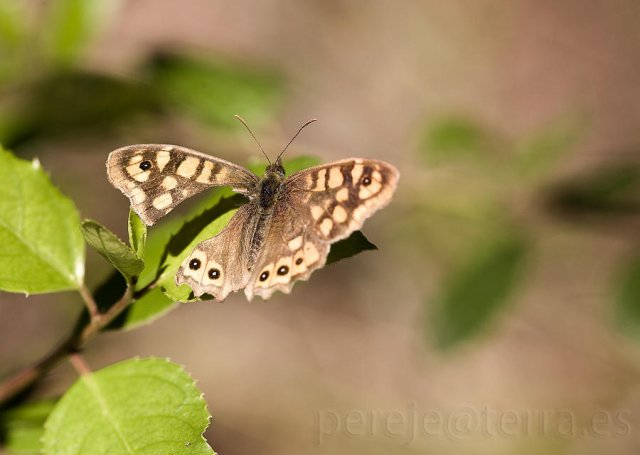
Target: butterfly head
{"x": 275, "y": 169}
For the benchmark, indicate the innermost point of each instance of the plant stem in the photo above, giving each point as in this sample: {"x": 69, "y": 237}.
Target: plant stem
{"x": 88, "y": 301}
{"x": 83, "y": 332}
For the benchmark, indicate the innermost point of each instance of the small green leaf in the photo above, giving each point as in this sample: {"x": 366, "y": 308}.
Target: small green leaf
{"x": 21, "y": 428}
{"x": 213, "y": 91}
{"x": 354, "y": 244}
{"x": 475, "y": 292}
{"x": 627, "y": 298}
{"x": 138, "y": 406}
{"x": 41, "y": 246}
{"x": 137, "y": 234}
{"x": 106, "y": 243}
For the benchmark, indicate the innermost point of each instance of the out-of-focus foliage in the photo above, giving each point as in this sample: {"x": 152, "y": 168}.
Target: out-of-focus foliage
{"x": 478, "y": 290}
{"x": 469, "y": 223}
{"x": 627, "y": 297}
{"x": 22, "y": 427}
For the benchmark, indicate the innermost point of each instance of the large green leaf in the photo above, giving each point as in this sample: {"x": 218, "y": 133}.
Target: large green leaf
{"x": 139, "y": 406}
{"x": 478, "y": 289}
{"x": 21, "y": 428}
{"x": 41, "y": 246}
{"x": 627, "y": 298}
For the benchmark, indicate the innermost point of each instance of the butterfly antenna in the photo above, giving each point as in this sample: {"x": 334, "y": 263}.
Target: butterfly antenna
{"x": 292, "y": 139}
{"x": 254, "y": 137}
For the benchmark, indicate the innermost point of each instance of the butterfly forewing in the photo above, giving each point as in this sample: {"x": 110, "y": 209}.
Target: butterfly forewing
{"x": 337, "y": 198}
{"x": 157, "y": 177}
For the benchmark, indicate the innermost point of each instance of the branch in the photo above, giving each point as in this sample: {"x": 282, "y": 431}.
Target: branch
{"x": 83, "y": 332}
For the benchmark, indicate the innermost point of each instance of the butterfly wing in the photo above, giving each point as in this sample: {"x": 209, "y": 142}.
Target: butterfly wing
{"x": 219, "y": 265}
{"x": 318, "y": 206}
{"x": 157, "y": 177}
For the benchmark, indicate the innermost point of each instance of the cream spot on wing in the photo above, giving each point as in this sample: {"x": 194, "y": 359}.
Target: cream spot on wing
{"x": 130, "y": 185}
{"x": 187, "y": 271}
{"x": 268, "y": 270}
{"x": 370, "y": 190}
{"x": 326, "y": 226}
{"x": 163, "y": 201}
{"x": 301, "y": 267}
{"x": 138, "y": 174}
{"x": 169, "y": 183}
{"x": 211, "y": 264}
{"x": 359, "y": 214}
{"x": 311, "y": 254}
{"x": 205, "y": 175}
{"x": 356, "y": 172}
{"x": 188, "y": 167}
{"x": 295, "y": 243}
{"x": 162, "y": 159}
{"x": 135, "y": 159}
{"x": 335, "y": 177}
{"x": 375, "y": 175}
{"x": 316, "y": 212}
{"x": 139, "y": 197}
{"x": 342, "y": 195}
{"x": 282, "y": 271}
{"x": 309, "y": 180}
{"x": 222, "y": 175}
{"x": 321, "y": 181}
{"x": 339, "y": 214}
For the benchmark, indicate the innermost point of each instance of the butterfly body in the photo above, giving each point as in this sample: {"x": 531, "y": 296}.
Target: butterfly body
{"x": 280, "y": 236}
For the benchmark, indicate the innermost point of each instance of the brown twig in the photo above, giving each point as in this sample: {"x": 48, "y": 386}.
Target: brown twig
{"x": 83, "y": 332}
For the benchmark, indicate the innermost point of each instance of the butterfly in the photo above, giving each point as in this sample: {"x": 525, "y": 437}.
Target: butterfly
{"x": 281, "y": 235}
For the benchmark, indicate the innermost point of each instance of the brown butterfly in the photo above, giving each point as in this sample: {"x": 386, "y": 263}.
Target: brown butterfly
{"x": 281, "y": 235}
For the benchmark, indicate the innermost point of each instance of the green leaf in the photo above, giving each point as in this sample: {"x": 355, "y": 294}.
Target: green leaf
{"x": 138, "y": 406}
{"x": 627, "y": 298}
{"x": 41, "y": 246}
{"x": 354, "y": 244}
{"x": 21, "y": 428}
{"x": 213, "y": 91}
{"x": 476, "y": 291}
{"x": 137, "y": 234}
{"x": 153, "y": 305}
{"x": 106, "y": 243}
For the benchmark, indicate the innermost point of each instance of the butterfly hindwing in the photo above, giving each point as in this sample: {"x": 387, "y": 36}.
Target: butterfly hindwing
{"x": 157, "y": 177}
{"x": 219, "y": 265}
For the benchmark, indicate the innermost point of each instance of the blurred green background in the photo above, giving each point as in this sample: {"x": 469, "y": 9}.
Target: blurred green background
{"x": 508, "y": 275}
